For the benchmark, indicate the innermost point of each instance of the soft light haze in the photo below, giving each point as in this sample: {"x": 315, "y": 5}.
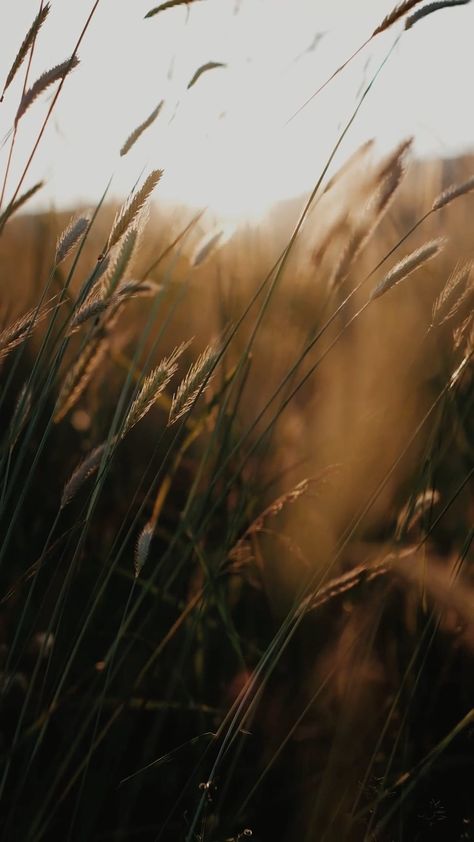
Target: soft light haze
{"x": 226, "y": 142}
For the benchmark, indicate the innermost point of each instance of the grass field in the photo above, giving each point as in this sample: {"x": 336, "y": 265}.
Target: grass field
{"x": 236, "y": 487}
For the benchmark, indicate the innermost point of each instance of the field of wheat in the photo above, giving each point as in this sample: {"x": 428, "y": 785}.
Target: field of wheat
{"x": 237, "y": 499}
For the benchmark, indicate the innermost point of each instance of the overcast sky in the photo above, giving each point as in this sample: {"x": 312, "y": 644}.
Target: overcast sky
{"x": 226, "y": 141}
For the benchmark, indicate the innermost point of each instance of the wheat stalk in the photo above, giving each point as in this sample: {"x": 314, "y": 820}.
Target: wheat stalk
{"x": 129, "y": 212}
{"x": 195, "y": 381}
{"x": 407, "y": 265}
{"x": 133, "y": 137}
{"x": 60, "y": 71}
{"x": 71, "y": 235}
{"x": 432, "y": 7}
{"x": 26, "y": 45}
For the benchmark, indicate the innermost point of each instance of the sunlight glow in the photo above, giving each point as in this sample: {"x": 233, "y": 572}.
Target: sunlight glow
{"x": 226, "y": 143}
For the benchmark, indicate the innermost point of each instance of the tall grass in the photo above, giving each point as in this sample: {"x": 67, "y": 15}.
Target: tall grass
{"x": 236, "y": 507}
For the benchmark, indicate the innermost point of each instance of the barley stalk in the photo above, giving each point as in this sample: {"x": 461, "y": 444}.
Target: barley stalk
{"x": 60, "y": 71}
{"x": 26, "y": 45}
{"x": 407, "y": 265}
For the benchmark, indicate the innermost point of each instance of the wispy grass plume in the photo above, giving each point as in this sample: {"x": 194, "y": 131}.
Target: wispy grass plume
{"x": 69, "y": 238}
{"x": 60, "y": 71}
{"x": 453, "y": 192}
{"x": 18, "y": 203}
{"x": 169, "y": 4}
{"x": 130, "y": 210}
{"x": 396, "y": 13}
{"x": 28, "y": 41}
{"x": 20, "y": 330}
{"x": 210, "y": 65}
{"x": 195, "y": 381}
{"x": 142, "y": 549}
{"x": 122, "y": 262}
{"x": 132, "y": 139}
{"x": 454, "y": 294}
{"x": 153, "y": 386}
{"x": 430, "y": 8}
{"x": 409, "y": 264}
{"x": 80, "y": 374}
{"x": 84, "y": 470}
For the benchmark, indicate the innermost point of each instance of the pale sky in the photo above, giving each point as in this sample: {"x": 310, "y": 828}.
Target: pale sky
{"x": 226, "y": 143}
